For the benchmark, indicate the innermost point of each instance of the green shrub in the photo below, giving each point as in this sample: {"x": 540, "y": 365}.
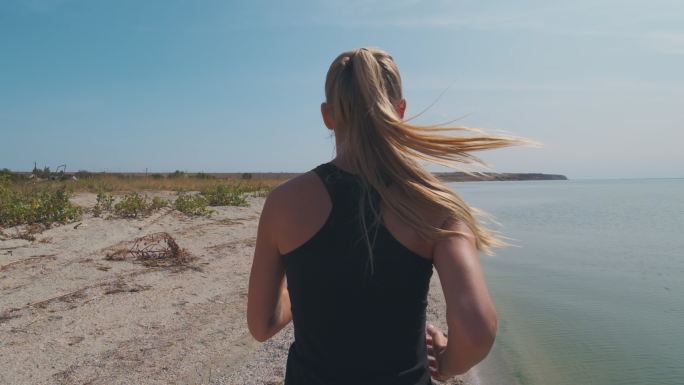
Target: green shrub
{"x": 158, "y": 203}
{"x": 11, "y": 206}
{"x": 46, "y": 207}
{"x": 225, "y": 196}
{"x": 105, "y": 203}
{"x": 57, "y": 207}
{"x": 192, "y": 204}
{"x": 132, "y": 206}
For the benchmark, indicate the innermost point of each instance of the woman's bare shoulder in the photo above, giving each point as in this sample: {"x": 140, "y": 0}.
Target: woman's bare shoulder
{"x": 291, "y": 190}
{"x": 295, "y": 209}
{"x": 297, "y": 195}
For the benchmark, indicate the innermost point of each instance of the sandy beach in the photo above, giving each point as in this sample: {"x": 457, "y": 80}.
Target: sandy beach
{"x": 70, "y": 313}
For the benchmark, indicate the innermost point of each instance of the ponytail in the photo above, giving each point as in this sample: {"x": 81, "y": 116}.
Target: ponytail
{"x": 362, "y": 87}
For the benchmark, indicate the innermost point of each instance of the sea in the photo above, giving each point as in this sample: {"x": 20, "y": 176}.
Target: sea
{"x": 591, "y": 290}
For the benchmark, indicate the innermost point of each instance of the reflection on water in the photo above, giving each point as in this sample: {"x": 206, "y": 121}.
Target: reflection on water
{"x": 593, "y": 292}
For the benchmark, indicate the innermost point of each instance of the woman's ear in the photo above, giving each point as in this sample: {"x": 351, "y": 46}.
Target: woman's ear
{"x": 327, "y": 119}
{"x": 401, "y": 108}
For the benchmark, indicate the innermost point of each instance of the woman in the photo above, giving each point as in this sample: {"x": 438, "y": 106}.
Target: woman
{"x": 346, "y": 250}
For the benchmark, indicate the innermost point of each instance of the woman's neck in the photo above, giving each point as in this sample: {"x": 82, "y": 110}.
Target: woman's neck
{"x": 343, "y": 163}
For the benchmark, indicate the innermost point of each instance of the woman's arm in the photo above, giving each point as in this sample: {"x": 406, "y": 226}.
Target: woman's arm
{"x": 471, "y": 316}
{"x": 268, "y": 301}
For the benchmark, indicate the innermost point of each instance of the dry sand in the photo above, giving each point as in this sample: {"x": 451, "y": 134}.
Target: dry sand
{"x": 68, "y": 315}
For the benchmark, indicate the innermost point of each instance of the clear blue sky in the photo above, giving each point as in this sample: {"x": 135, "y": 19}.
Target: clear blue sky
{"x": 235, "y": 86}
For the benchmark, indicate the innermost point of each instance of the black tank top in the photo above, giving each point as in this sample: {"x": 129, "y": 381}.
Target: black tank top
{"x": 352, "y": 327}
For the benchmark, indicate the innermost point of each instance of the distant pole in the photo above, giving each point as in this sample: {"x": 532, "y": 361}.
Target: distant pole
{"x": 145, "y": 172}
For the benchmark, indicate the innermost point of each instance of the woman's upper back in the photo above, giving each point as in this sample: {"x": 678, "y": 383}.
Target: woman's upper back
{"x": 307, "y": 204}
{"x": 352, "y": 323}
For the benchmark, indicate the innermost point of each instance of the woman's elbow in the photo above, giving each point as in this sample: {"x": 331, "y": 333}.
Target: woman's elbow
{"x": 473, "y": 346}
{"x": 260, "y": 337}
{"x": 464, "y": 363}
{"x": 258, "y": 330}
{"x": 259, "y": 334}
{"x": 483, "y": 338}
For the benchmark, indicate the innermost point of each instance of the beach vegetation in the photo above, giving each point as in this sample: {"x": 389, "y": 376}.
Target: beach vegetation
{"x": 44, "y": 196}
{"x": 46, "y": 206}
{"x": 192, "y": 204}
{"x": 103, "y": 204}
{"x": 225, "y": 196}
{"x": 132, "y": 206}
{"x": 158, "y": 203}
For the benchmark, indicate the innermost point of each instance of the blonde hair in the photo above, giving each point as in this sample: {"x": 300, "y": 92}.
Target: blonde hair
{"x": 361, "y": 89}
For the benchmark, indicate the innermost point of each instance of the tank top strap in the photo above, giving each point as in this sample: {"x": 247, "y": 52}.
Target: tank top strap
{"x": 344, "y": 189}
{"x": 335, "y": 180}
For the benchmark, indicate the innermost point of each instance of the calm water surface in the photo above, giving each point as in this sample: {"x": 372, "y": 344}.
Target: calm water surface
{"x": 593, "y": 293}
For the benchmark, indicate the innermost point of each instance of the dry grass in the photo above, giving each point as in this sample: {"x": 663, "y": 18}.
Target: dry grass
{"x": 126, "y": 183}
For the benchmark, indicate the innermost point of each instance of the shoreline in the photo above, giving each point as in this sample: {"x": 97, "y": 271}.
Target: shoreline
{"x": 493, "y": 370}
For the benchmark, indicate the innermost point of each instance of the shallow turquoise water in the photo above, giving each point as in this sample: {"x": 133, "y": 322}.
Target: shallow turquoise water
{"x": 593, "y": 293}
